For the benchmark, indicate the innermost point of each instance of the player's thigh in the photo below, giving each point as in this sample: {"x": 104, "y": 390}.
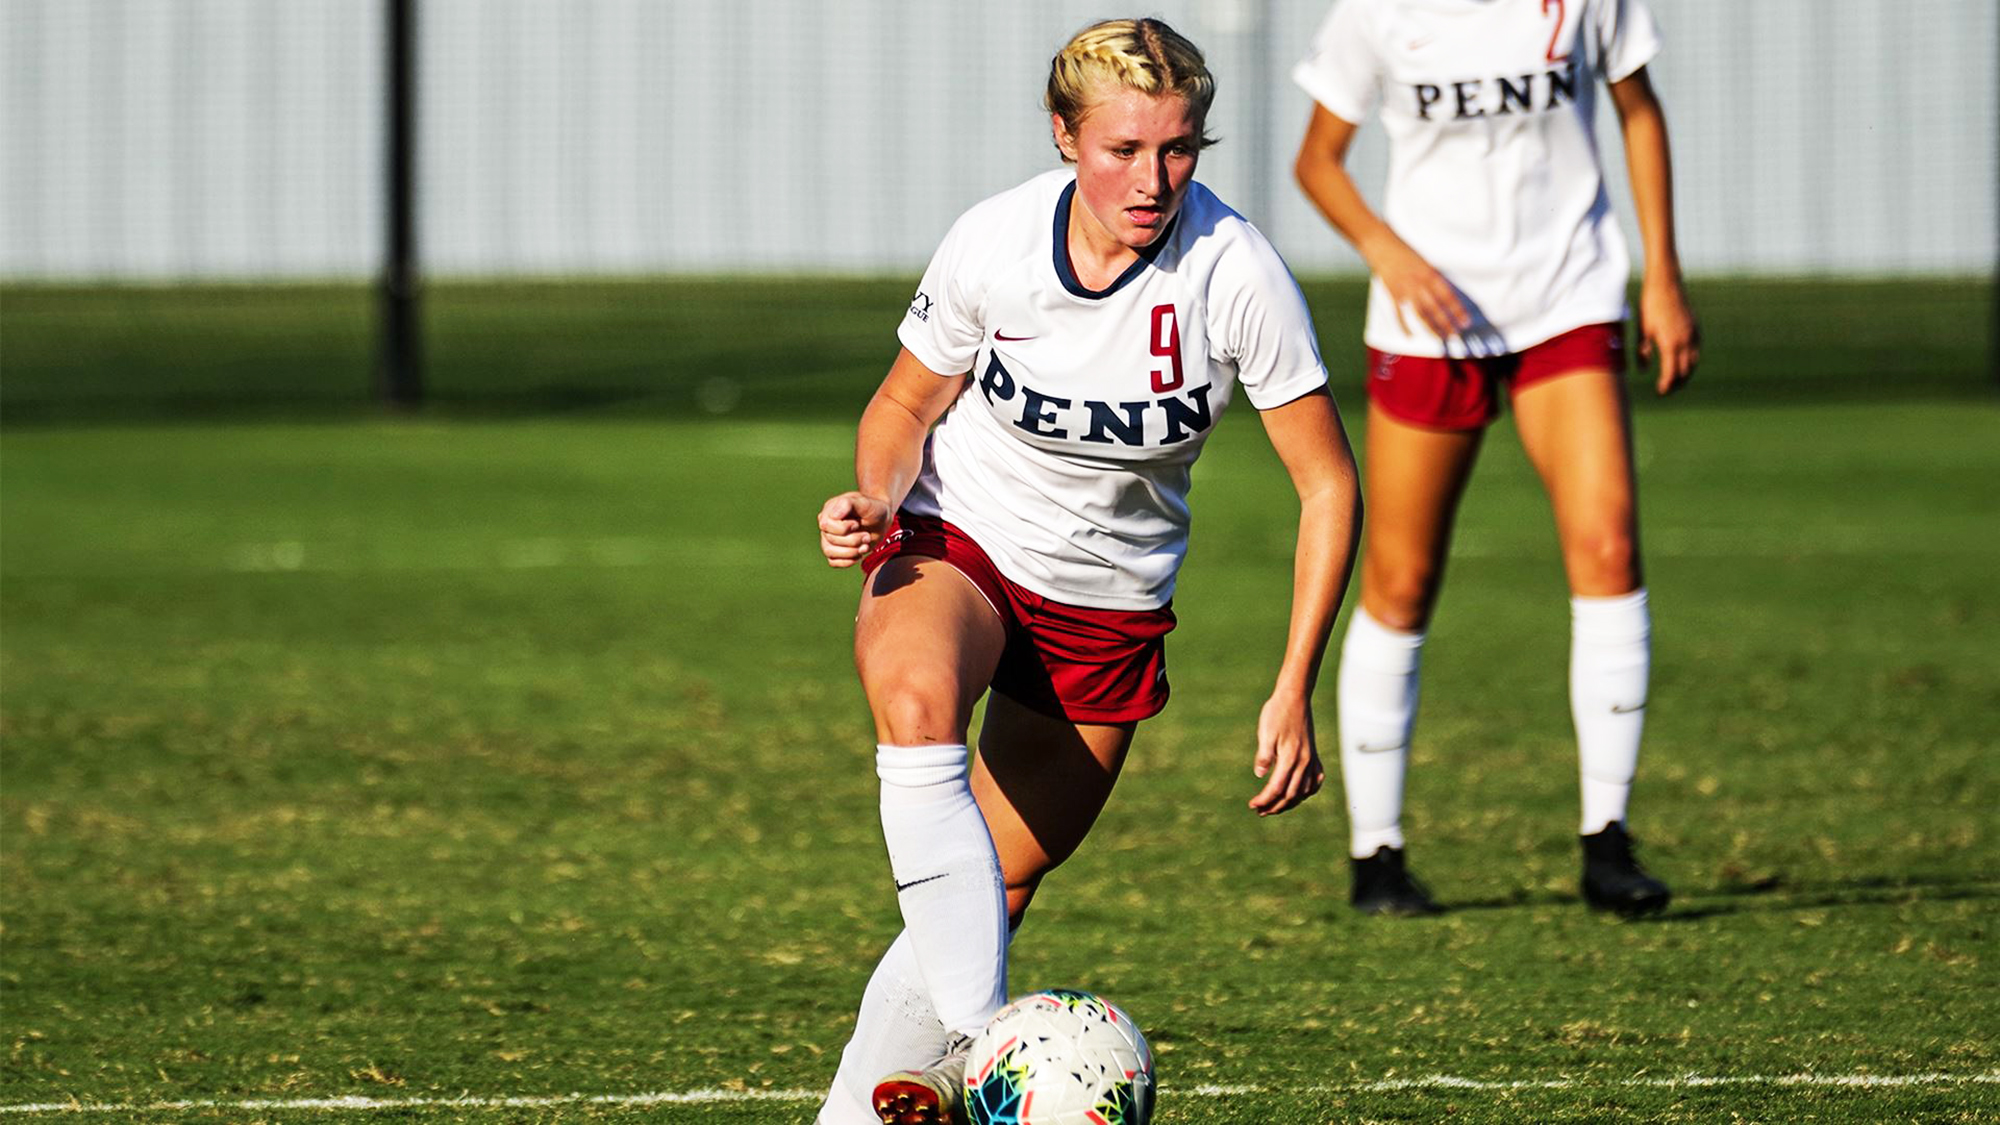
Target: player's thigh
{"x": 1576, "y": 430}
{"x": 1413, "y": 479}
{"x": 926, "y": 642}
{"x": 1041, "y": 781}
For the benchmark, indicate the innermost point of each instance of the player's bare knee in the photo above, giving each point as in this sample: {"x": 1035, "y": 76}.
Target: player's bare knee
{"x": 908, "y": 695}
{"x": 1401, "y": 597}
{"x": 1603, "y": 561}
{"x": 911, "y": 710}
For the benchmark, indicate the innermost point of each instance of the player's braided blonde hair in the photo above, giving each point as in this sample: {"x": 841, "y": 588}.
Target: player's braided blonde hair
{"x": 1143, "y": 54}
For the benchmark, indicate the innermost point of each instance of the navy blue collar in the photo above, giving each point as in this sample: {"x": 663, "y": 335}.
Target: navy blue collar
{"x": 1067, "y": 274}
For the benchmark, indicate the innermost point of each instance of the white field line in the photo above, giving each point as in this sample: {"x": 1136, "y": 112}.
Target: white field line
{"x": 699, "y": 1097}
{"x": 293, "y": 555}
{"x": 611, "y": 552}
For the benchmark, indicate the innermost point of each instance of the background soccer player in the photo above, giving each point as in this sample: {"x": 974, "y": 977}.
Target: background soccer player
{"x": 1497, "y": 266}
{"x": 1073, "y": 342}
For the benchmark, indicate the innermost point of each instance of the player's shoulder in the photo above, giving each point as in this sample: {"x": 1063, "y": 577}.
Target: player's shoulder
{"x": 1376, "y": 9}
{"x": 1033, "y": 199}
{"x": 1006, "y": 225}
{"x": 1209, "y": 222}
{"x": 1365, "y": 17}
{"x": 1235, "y": 250}
{"x": 1614, "y": 10}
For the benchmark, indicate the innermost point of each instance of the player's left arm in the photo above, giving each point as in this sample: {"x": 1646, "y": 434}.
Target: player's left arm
{"x": 1309, "y": 439}
{"x": 1667, "y": 327}
{"x": 888, "y": 455}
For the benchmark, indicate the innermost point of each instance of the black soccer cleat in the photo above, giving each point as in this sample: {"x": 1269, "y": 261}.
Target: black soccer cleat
{"x": 1382, "y": 885}
{"x": 1613, "y": 879}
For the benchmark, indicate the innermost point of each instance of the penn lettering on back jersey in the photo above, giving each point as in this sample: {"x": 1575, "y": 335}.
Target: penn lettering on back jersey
{"x": 1067, "y": 457}
{"x": 1468, "y": 91}
{"x": 1500, "y": 95}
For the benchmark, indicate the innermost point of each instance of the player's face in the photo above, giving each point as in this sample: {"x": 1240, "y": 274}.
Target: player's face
{"x": 1135, "y": 154}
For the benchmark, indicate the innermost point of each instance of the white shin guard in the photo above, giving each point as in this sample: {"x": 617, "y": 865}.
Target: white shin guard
{"x": 1610, "y": 661}
{"x": 896, "y": 1029}
{"x": 948, "y": 881}
{"x": 1377, "y": 695}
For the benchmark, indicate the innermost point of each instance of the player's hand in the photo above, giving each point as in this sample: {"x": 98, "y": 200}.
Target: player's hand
{"x": 851, "y": 525}
{"x": 1667, "y": 329}
{"x": 1287, "y": 759}
{"x": 1414, "y": 284}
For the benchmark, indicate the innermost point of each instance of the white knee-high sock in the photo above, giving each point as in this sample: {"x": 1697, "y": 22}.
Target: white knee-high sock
{"x": 896, "y": 1029}
{"x": 1377, "y": 695}
{"x": 1610, "y": 657}
{"x": 948, "y": 880}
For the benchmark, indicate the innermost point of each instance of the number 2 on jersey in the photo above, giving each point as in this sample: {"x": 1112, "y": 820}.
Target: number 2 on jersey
{"x": 1166, "y": 343}
{"x": 1556, "y": 33}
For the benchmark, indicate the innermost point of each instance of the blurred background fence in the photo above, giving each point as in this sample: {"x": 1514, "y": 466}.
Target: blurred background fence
{"x": 215, "y": 142}
{"x": 232, "y": 139}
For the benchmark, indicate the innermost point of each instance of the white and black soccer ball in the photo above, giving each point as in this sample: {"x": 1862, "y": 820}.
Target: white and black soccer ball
{"x": 1060, "y": 1057}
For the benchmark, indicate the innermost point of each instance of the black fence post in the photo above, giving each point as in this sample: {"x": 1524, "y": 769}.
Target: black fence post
{"x": 399, "y": 379}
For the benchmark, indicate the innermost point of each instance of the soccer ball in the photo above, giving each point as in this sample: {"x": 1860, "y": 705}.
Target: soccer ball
{"x": 1060, "y": 1058}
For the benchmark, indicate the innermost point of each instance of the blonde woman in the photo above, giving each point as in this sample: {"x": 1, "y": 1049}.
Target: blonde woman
{"x": 1498, "y": 270}
{"x": 1020, "y": 512}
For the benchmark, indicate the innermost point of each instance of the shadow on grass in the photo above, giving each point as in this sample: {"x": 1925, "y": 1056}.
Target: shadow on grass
{"x": 1775, "y": 894}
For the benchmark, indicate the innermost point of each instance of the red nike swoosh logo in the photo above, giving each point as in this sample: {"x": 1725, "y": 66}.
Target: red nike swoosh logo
{"x": 1004, "y": 336}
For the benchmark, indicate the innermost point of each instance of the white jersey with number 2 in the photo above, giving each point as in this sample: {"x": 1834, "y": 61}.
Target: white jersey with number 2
{"x": 1067, "y": 457}
{"x": 1493, "y": 165}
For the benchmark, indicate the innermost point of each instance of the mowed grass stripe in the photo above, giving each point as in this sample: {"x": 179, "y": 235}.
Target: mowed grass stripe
{"x": 544, "y": 828}
{"x": 1667, "y": 542}
{"x": 300, "y": 556}
{"x": 717, "y": 1096}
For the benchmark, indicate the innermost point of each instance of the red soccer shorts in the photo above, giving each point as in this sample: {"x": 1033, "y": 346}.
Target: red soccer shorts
{"x": 1464, "y": 394}
{"x": 1068, "y": 661}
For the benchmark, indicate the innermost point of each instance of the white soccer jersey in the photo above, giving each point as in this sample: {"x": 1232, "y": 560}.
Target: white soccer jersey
{"x": 1493, "y": 166}
{"x": 1067, "y": 457}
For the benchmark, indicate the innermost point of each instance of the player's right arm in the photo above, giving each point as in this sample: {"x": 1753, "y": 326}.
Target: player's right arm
{"x": 1321, "y": 169}
{"x": 1667, "y": 327}
{"x": 888, "y": 454}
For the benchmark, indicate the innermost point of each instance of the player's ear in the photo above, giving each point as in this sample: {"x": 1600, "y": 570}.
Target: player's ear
{"x": 1065, "y": 142}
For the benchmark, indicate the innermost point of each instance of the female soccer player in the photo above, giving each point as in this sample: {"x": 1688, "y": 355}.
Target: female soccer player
{"x": 1020, "y": 511}
{"x": 1497, "y": 265}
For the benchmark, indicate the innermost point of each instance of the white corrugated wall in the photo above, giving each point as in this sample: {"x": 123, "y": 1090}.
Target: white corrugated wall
{"x": 188, "y": 139}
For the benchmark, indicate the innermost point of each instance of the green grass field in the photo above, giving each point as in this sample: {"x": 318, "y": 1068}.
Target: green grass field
{"x": 791, "y": 349}
{"x": 513, "y": 749}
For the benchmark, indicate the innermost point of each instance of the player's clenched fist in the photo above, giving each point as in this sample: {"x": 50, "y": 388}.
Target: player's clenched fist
{"x": 850, "y": 525}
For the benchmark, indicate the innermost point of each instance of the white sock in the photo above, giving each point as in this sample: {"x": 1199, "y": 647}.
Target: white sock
{"x": 948, "y": 880}
{"x": 1377, "y": 695}
{"x": 896, "y": 1029}
{"x": 1609, "y": 658}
